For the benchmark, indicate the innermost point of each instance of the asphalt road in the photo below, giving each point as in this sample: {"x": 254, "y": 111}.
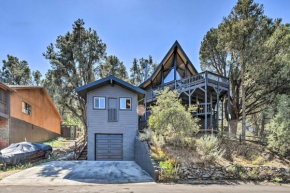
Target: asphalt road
{"x": 148, "y": 188}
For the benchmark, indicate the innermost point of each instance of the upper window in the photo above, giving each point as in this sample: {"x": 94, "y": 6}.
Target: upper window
{"x": 125, "y": 103}
{"x": 26, "y": 108}
{"x": 99, "y": 102}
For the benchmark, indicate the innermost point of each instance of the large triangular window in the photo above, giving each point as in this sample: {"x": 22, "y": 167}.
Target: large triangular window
{"x": 169, "y": 77}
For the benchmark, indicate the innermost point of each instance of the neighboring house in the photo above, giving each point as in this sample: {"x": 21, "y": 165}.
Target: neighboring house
{"x": 112, "y": 119}
{"x": 205, "y": 90}
{"x": 30, "y": 115}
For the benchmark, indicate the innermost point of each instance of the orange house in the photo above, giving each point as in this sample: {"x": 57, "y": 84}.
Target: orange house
{"x": 32, "y": 115}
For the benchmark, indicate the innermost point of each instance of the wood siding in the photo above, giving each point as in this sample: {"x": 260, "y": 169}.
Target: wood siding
{"x": 98, "y": 123}
{"x": 43, "y": 114}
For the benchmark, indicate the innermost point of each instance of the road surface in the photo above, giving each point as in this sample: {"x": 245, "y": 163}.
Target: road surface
{"x": 147, "y": 188}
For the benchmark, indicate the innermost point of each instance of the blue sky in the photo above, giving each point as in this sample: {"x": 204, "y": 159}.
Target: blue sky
{"x": 129, "y": 28}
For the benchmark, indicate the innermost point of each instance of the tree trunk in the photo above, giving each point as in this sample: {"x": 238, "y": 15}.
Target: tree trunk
{"x": 262, "y": 125}
{"x": 243, "y": 104}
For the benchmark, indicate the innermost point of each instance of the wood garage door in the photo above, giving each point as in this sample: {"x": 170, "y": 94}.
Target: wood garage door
{"x": 109, "y": 147}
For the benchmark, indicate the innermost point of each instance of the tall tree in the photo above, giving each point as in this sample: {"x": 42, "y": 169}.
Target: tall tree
{"x": 112, "y": 66}
{"x": 243, "y": 48}
{"x": 138, "y": 69}
{"x": 74, "y": 58}
{"x": 36, "y": 77}
{"x": 15, "y": 72}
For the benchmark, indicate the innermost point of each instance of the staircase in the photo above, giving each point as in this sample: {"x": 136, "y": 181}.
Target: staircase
{"x": 84, "y": 154}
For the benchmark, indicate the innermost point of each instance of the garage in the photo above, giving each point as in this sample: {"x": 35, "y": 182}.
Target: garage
{"x": 109, "y": 147}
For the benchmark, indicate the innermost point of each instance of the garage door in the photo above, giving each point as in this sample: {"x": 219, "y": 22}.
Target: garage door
{"x": 109, "y": 147}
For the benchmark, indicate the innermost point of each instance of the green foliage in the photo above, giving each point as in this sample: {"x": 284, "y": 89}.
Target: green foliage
{"x": 73, "y": 58}
{"x": 112, "y": 66}
{"x": 170, "y": 118}
{"x": 170, "y": 169}
{"x": 137, "y": 70}
{"x": 158, "y": 154}
{"x": 231, "y": 169}
{"x": 59, "y": 142}
{"x": 208, "y": 148}
{"x": 36, "y": 78}
{"x": 250, "y": 41}
{"x": 279, "y": 127}
{"x": 147, "y": 135}
{"x": 15, "y": 72}
{"x": 259, "y": 160}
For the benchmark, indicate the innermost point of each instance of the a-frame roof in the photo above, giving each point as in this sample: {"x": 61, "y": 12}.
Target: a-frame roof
{"x": 168, "y": 58}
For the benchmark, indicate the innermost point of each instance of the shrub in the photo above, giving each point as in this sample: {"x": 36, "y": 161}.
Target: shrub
{"x": 170, "y": 169}
{"x": 208, "y": 148}
{"x": 158, "y": 154}
{"x": 279, "y": 128}
{"x": 147, "y": 135}
{"x": 170, "y": 118}
{"x": 157, "y": 140}
{"x": 231, "y": 169}
{"x": 258, "y": 161}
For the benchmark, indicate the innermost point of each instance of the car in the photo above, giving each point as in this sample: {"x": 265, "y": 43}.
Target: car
{"x": 24, "y": 152}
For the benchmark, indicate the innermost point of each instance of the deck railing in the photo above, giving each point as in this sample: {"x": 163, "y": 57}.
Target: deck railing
{"x": 189, "y": 82}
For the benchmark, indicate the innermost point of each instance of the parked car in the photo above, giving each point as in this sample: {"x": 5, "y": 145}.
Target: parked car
{"x": 24, "y": 152}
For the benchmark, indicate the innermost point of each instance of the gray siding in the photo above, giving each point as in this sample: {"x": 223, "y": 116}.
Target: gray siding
{"x": 127, "y": 124}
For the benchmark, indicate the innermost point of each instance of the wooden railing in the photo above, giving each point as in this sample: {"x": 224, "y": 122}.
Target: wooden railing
{"x": 80, "y": 144}
{"x": 189, "y": 82}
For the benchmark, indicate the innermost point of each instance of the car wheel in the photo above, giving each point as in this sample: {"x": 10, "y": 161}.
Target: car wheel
{"x": 47, "y": 155}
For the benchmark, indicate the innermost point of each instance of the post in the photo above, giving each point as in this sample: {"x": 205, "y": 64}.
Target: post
{"x": 174, "y": 66}
{"x": 217, "y": 109}
{"x": 228, "y": 94}
{"x": 222, "y": 131}
{"x": 162, "y": 75}
{"x": 211, "y": 126}
{"x": 205, "y": 103}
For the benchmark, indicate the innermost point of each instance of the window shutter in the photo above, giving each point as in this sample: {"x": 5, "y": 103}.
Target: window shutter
{"x": 112, "y": 110}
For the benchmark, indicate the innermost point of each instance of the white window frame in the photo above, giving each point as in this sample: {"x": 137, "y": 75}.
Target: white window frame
{"x": 125, "y": 103}
{"x": 99, "y": 98}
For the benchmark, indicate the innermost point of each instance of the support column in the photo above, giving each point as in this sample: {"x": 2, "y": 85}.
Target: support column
{"x": 162, "y": 75}
{"x": 217, "y": 109}
{"x": 205, "y": 103}
{"x": 222, "y": 130}
{"x": 211, "y": 118}
{"x": 228, "y": 94}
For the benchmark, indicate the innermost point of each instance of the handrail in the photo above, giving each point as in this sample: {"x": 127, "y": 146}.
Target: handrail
{"x": 80, "y": 144}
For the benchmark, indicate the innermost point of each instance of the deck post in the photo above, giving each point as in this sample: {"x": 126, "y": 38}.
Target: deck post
{"x": 162, "y": 75}
{"x": 205, "y": 103}
{"x": 222, "y": 130}
{"x": 211, "y": 126}
{"x": 228, "y": 94}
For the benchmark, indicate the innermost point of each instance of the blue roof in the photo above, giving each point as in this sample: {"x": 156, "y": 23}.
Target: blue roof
{"x": 82, "y": 91}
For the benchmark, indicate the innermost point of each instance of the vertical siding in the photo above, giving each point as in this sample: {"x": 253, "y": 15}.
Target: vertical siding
{"x": 98, "y": 120}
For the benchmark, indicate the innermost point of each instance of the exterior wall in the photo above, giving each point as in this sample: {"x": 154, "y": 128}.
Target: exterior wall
{"x": 43, "y": 114}
{"x": 4, "y": 132}
{"x": 21, "y": 131}
{"x": 97, "y": 120}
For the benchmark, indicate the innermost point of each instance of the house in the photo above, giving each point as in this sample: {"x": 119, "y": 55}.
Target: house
{"x": 205, "y": 89}
{"x": 27, "y": 113}
{"x": 112, "y": 119}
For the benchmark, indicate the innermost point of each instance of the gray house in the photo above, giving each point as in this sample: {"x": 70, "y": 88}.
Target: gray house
{"x": 112, "y": 118}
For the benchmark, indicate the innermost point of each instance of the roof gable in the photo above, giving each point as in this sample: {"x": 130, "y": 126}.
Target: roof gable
{"x": 26, "y": 87}
{"x": 169, "y": 58}
{"x": 82, "y": 91}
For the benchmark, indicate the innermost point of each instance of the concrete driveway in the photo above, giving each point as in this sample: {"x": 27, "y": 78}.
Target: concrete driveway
{"x": 74, "y": 172}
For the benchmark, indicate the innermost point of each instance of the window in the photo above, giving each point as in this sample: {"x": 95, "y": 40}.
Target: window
{"x": 99, "y": 103}
{"x": 125, "y": 103}
{"x": 26, "y": 108}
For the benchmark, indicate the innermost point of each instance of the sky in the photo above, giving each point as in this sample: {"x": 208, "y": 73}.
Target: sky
{"x": 130, "y": 29}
